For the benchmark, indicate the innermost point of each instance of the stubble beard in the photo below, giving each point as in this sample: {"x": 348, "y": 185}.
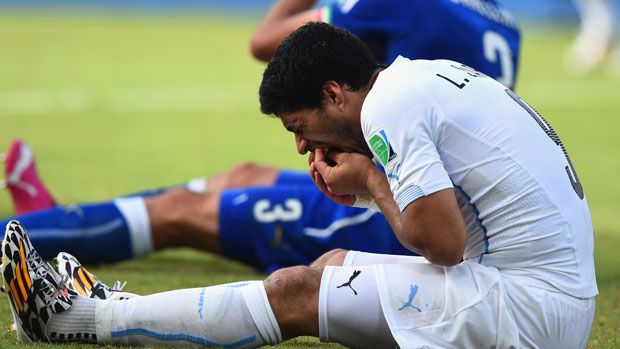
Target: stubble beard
{"x": 352, "y": 136}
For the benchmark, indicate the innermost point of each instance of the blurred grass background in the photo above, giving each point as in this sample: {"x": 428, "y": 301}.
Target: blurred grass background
{"x": 114, "y": 104}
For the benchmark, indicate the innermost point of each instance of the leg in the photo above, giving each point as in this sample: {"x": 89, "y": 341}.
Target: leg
{"x": 29, "y": 194}
{"x": 244, "y": 314}
{"x": 289, "y": 223}
{"x": 100, "y": 232}
{"x": 244, "y": 175}
{"x": 415, "y": 304}
{"x": 290, "y": 295}
{"x": 238, "y": 314}
{"x": 27, "y": 191}
{"x": 294, "y": 295}
{"x": 185, "y": 218}
{"x": 267, "y": 227}
{"x": 86, "y": 229}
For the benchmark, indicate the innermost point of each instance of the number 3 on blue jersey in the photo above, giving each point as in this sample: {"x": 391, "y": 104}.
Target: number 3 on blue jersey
{"x": 496, "y": 48}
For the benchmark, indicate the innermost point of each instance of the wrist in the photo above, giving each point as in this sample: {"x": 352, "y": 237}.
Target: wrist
{"x": 375, "y": 181}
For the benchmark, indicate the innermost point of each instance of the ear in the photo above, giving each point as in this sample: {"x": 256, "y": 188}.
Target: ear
{"x": 334, "y": 95}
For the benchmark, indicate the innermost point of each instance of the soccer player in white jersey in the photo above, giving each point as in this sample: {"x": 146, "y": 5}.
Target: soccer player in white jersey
{"x": 475, "y": 180}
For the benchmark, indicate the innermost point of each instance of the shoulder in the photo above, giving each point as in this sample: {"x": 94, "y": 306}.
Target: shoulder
{"x": 403, "y": 85}
{"x": 402, "y": 101}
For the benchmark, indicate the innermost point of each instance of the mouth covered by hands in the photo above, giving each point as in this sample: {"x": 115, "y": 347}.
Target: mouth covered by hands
{"x": 339, "y": 175}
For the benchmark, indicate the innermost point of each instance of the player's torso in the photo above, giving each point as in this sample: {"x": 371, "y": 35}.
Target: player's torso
{"x": 522, "y": 203}
{"x": 477, "y": 33}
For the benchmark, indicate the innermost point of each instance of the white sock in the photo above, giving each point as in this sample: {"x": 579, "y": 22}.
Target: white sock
{"x": 235, "y": 314}
{"x": 134, "y": 211}
{"x": 76, "y": 324}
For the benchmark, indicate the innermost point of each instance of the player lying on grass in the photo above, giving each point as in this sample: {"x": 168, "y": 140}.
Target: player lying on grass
{"x": 261, "y": 215}
{"x": 493, "y": 205}
{"x": 257, "y": 215}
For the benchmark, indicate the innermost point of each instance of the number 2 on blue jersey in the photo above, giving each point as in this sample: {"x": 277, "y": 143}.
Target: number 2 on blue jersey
{"x": 496, "y": 48}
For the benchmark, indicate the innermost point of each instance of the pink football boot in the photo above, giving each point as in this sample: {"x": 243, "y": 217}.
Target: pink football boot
{"x": 20, "y": 172}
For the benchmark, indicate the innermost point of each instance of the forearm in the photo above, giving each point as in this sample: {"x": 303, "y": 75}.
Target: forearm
{"x": 287, "y": 8}
{"x": 379, "y": 189}
{"x": 284, "y": 17}
{"x": 431, "y": 226}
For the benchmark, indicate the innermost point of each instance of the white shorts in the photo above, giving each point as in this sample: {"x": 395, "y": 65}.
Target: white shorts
{"x": 382, "y": 301}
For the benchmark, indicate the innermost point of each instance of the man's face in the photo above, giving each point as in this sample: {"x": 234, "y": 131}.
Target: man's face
{"x": 315, "y": 128}
{"x": 335, "y": 127}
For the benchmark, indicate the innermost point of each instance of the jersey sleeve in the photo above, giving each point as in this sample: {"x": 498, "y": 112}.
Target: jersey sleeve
{"x": 403, "y": 132}
{"x": 367, "y": 19}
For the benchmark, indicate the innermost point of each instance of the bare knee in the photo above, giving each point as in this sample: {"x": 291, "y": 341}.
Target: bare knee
{"x": 184, "y": 218}
{"x": 333, "y": 257}
{"x": 250, "y": 174}
{"x": 294, "y": 297}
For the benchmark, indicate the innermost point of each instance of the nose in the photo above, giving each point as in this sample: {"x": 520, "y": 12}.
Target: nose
{"x": 302, "y": 145}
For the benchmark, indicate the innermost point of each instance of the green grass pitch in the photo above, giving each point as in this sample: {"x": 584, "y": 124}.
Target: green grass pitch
{"x": 115, "y": 103}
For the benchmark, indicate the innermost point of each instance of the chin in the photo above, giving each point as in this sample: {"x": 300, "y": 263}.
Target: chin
{"x": 358, "y": 150}
{"x": 364, "y": 151}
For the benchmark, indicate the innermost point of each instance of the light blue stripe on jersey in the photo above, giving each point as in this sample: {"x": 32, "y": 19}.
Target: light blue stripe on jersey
{"x": 180, "y": 337}
{"x": 408, "y": 196}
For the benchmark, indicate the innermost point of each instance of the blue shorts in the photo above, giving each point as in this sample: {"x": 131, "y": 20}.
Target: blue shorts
{"x": 293, "y": 223}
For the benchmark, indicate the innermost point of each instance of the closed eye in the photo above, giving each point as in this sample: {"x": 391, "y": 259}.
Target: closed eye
{"x": 294, "y": 129}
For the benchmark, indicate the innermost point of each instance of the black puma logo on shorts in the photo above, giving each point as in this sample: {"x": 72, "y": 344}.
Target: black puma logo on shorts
{"x": 356, "y": 273}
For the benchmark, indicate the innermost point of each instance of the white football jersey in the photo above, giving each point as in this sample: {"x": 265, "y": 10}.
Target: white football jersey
{"x": 439, "y": 124}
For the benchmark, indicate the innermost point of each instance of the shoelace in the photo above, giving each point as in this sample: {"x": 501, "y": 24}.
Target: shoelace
{"x": 103, "y": 291}
{"x": 52, "y": 289}
{"x": 118, "y": 286}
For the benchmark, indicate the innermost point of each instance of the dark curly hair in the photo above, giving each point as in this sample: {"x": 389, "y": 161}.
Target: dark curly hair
{"x": 309, "y": 57}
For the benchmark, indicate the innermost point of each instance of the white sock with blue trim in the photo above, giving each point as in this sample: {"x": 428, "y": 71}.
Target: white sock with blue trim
{"x": 237, "y": 315}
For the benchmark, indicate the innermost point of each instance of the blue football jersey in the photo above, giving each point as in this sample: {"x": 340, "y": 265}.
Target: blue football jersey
{"x": 478, "y": 33}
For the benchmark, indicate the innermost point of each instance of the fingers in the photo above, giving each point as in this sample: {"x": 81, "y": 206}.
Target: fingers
{"x": 311, "y": 166}
{"x": 323, "y": 169}
{"x": 318, "y": 180}
{"x": 311, "y": 158}
{"x": 314, "y": 172}
{"x": 319, "y": 154}
{"x": 320, "y": 164}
